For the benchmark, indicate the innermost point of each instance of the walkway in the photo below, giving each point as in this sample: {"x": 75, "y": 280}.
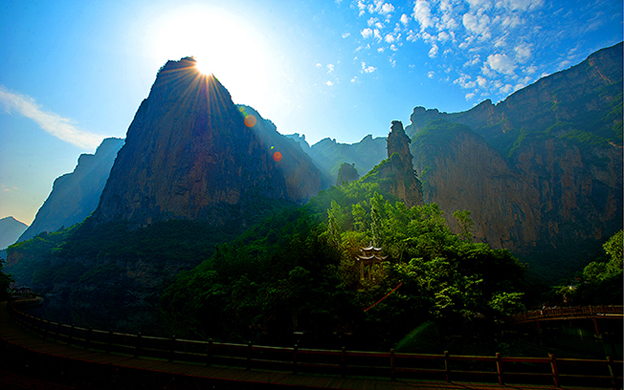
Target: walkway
{"x": 97, "y": 370}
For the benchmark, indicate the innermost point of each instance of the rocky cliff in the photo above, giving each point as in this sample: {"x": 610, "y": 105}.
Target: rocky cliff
{"x": 75, "y": 195}
{"x": 541, "y": 171}
{"x": 396, "y": 174}
{"x": 190, "y": 150}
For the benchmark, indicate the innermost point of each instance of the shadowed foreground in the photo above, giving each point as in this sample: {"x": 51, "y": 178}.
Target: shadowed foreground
{"x": 36, "y": 362}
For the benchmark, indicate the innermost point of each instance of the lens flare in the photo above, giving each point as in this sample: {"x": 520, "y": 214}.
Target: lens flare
{"x": 250, "y": 121}
{"x": 277, "y": 156}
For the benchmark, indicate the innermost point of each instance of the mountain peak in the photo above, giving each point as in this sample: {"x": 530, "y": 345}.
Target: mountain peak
{"x": 190, "y": 148}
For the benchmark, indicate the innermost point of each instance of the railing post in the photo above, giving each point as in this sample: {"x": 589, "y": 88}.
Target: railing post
{"x": 58, "y": 329}
{"x": 209, "y": 353}
{"x": 109, "y": 343}
{"x": 555, "y": 370}
{"x": 447, "y": 369}
{"x": 71, "y": 334}
{"x": 343, "y": 363}
{"x": 499, "y": 368}
{"x": 614, "y": 384}
{"x": 295, "y": 358}
{"x": 88, "y": 338}
{"x": 137, "y": 346}
{"x": 248, "y": 356}
{"x": 47, "y": 328}
{"x": 596, "y": 326}
{"x": 392, "y": 366}
{"x": 172, "y": 348}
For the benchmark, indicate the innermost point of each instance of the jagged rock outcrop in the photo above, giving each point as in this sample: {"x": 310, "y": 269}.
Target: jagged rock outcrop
{"x": 396, "y": 174}
{"x": 10, "y": 230}
{"x": 346, "y": 174}
{"x": 542, "y": 170}
{"x": 75, "y": 195}
{"x": 190, "y": 150}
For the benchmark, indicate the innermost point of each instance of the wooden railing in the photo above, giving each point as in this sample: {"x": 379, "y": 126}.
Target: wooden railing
{"x": 605, "y": 373}
{"x": 568, "y": 312}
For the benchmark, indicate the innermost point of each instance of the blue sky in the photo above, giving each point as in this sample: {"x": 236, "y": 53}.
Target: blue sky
{"x": 75, "y": 72}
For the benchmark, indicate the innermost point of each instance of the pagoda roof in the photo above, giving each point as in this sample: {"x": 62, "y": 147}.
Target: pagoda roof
{"x": 370, "y": 247}
{"x": 371, "y": 257}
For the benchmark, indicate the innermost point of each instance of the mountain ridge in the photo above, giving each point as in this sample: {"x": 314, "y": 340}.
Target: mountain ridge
{"x": 75, "y": 195}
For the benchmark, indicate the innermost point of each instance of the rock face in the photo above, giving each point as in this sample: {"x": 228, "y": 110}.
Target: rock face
{"x": 540, "y": 171}
{"x": 396, "y": 174}
{"x": 75, "y": 195}
{"x": 189, "y": 150}
{"x": 10, "y": 230}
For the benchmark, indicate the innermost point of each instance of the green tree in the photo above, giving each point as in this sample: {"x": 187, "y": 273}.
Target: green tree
{"x": 465, "y": 224}
{"x": 5, "y": 282}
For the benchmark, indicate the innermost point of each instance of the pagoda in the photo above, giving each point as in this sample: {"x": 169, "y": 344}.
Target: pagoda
{"x": 369, "y": 258}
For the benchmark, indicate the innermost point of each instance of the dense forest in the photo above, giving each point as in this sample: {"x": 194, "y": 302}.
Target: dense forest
{"x": 297, "y": 274}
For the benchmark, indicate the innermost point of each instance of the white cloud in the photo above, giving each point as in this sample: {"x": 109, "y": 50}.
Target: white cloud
{"x": 465, "y": 82}
{"x": 330, "y": 68}
{"x": 422, "y": 14}
{"x": 530, "y": 69}
{"x": 412, "y": 36}
{"x": 506, "y": 88}
{"x": 387, "y": 8}
{"x": 476, "y": 60}
{"x": 501, "y": 63}
{"x": 318, "y": 65}
{"x": 367, "y": 69}
{"x": 431, "y": 74}
{"x": 329, "y": 83}
{"x": 482, "y": 81}
{"x": 523, "y": 52}
{"x": 367, "y": 33}
{"x": 361, "y": 7}
{"x": 404, "y": 19}
{"x": 470, "y": 95}
{"x": 519, "y": 5}
{"x": 443, "y": 36}
{"x": 389, "y": 38}
{"x": 434, "y": 51}
{"x": 478, "y": 24}
{"x": 345, "y": 35}
{"x": 59, "y": 127}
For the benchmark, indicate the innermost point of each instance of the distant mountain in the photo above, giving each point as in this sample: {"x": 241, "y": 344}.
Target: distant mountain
{"x": 10, "y": 230}
{"x": 541, "y": 171}
{"x": 75, "y": 195}
{"x": 329, "y": 155}
{"x": 191, "y": 153}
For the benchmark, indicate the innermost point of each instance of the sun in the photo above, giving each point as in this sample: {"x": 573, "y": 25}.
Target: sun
{"x": 203, "y": 67}
{"x": 224, "y": 44}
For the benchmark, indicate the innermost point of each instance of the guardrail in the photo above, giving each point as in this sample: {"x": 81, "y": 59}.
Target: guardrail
{"x": 568, "y": 312}
{"x": 605, "y": 373}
